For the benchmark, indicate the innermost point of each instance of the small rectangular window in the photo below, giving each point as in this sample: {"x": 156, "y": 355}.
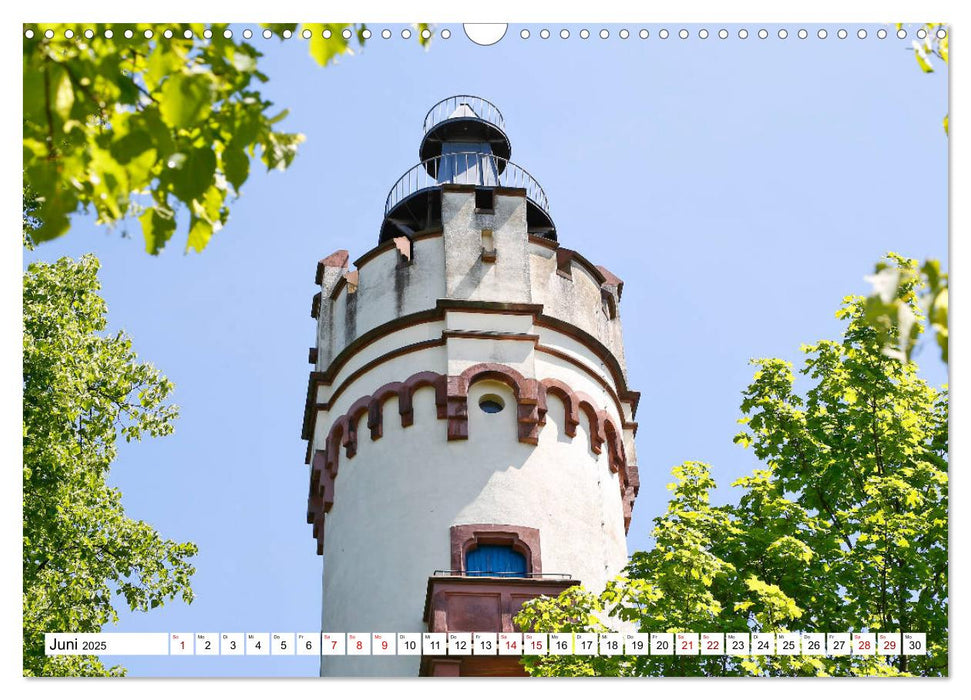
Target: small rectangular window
{"x": 485, "y": 200}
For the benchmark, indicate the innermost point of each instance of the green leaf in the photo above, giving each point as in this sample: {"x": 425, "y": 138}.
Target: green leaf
{"x": 186, "y": 100}
{"x": 131, "y": 145}
{"x": 235, "y": 166}
{"x": 326, "y": 50}
{"x": 200, "y": 231}
{"x": 193, "y": 174}
{"x": 157, "y": 229}
{"x": 63, "y": 94}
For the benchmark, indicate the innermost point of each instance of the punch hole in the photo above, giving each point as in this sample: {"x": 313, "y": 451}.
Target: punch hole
{"x": 446, "y": 33}
{"x": 405, "y": 33}
{"x": 228, "y": 34}
{"x": 643, "y": 34}
{"x": 346, "y": 33}
{"x": 584, "y": 33}
{"x": 763, "y": 34}
{"x": 544, "y": 34}
{"x": 187, "y": 33}
{"x": 564, "y": 33}
{"x": 149, "y": 33}
{"x": 901, "y": 33}
{"x": 703, "y": 34}
{"x": 89, "y": 34}
{"x": 743, "y": 33}
{"x": 783, "y": 34}
{"x": 109, "y": 33}
{"x": 604, "y": 34}
{"x": 941, "y": 34}
{"x": 841, "y": 34}
{"x": 487, "y": 34}
{"x": 821, "y": 33}
{"x": 68, "y": 33}
{"x": 29, "y": 33}
{"x": 881, "y": 34}
{"x": 802, "y": 33}
{"x": 306, "y": 33}
{"x": 385, "y": 33}
{"x": 50, "y": 33}
{"x": 861, "y": 33}
{"x": 722, "y": 33}
{"x": 207, "y": 34}
{"x": 683, "y": 34}
{"x": 287, "y": 33}
{"x": 247, "y": 33}
{"x": 167, "y": 33}
{"x": 623, "y": 34}
{"x": 921, "y": 33}
{"x": 524, "y": 34}
{"x": 366, "y": 33}
{"x": 129, "y": 33}
{"x": 663, "y": 33}
{"x": 267, "y": 33}
{"x": 426, "y": 33}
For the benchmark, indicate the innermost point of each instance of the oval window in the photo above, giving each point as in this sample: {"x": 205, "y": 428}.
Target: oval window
{"x": 490, "y": 403}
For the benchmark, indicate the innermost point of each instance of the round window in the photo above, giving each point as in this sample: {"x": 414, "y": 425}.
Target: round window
{"x": 490, "y": 403}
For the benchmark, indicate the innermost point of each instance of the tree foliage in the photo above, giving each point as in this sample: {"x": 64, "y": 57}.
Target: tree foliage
{"x": 82, "y": 389}
{"x": 139, "y": 124}
{"x": 935, "y": 43}
{"x": 843, "y": 530}
{"x": 897, "y": 284}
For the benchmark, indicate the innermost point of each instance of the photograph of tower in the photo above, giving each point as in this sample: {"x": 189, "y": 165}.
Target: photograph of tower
{"x": 638, "y": 367}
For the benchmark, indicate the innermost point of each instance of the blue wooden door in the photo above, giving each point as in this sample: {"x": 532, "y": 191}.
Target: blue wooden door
{"x": 495, "y": 560}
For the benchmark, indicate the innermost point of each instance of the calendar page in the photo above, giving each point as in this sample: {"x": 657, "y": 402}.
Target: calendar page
{"x": 544, "y": 348}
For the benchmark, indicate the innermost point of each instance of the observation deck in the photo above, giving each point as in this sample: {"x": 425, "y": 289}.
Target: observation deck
{"x": 464, "y": 143}
{"x": 464, "y": 118}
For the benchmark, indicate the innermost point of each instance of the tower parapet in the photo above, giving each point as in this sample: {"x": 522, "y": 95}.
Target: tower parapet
{"x": 469, "y": 397}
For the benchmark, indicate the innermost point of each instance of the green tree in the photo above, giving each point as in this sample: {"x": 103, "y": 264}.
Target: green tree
{"x": 137, "y": 123}
{"x": 82, "y": 388}
{"x": 844, "y": 530}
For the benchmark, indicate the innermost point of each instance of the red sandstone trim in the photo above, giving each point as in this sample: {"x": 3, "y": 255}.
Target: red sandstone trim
{"x": 524, "y": 540}
{"x": 336, "y": 259}
{"x": 451, "y": 400}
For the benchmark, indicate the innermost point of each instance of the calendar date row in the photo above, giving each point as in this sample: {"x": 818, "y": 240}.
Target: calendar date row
{"x": 487, "y": 644}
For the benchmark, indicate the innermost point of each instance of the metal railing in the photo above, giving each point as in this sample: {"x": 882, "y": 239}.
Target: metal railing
{"x": 481, "y": 169}
{"x": 500, "y": 574}
{"x": 483, "y": 109}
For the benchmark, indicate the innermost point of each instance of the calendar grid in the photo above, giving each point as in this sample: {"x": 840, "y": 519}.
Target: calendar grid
{"x": 700, "y": 644}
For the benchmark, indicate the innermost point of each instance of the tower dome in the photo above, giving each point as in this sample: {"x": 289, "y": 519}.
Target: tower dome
{"x": 464, "y": 143}
{"x": 469, "y": 427}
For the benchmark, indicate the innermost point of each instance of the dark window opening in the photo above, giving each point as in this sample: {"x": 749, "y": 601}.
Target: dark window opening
{"x": 485, "y": 199}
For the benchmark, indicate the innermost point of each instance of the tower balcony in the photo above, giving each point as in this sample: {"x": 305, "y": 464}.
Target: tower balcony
{"x": 414, "y": 202}
{"x": 457, "y": 601}
{"x": 464, "y": 118}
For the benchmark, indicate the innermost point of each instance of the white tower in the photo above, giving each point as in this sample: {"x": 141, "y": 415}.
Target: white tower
{"x": 470, "y": 429}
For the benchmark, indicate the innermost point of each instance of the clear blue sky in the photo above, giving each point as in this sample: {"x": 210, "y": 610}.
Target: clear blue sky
{"x": 740, "y": 188}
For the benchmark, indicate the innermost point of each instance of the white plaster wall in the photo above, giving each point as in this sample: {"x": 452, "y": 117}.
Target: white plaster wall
{"x": 466, "y": 352}
{"x": 431, "y": 330}
{"x": 395, "y": 501}
{"x": 467, "y": 276}
{"x": 385, "y": 292}
{"x": 507, "y": 323}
